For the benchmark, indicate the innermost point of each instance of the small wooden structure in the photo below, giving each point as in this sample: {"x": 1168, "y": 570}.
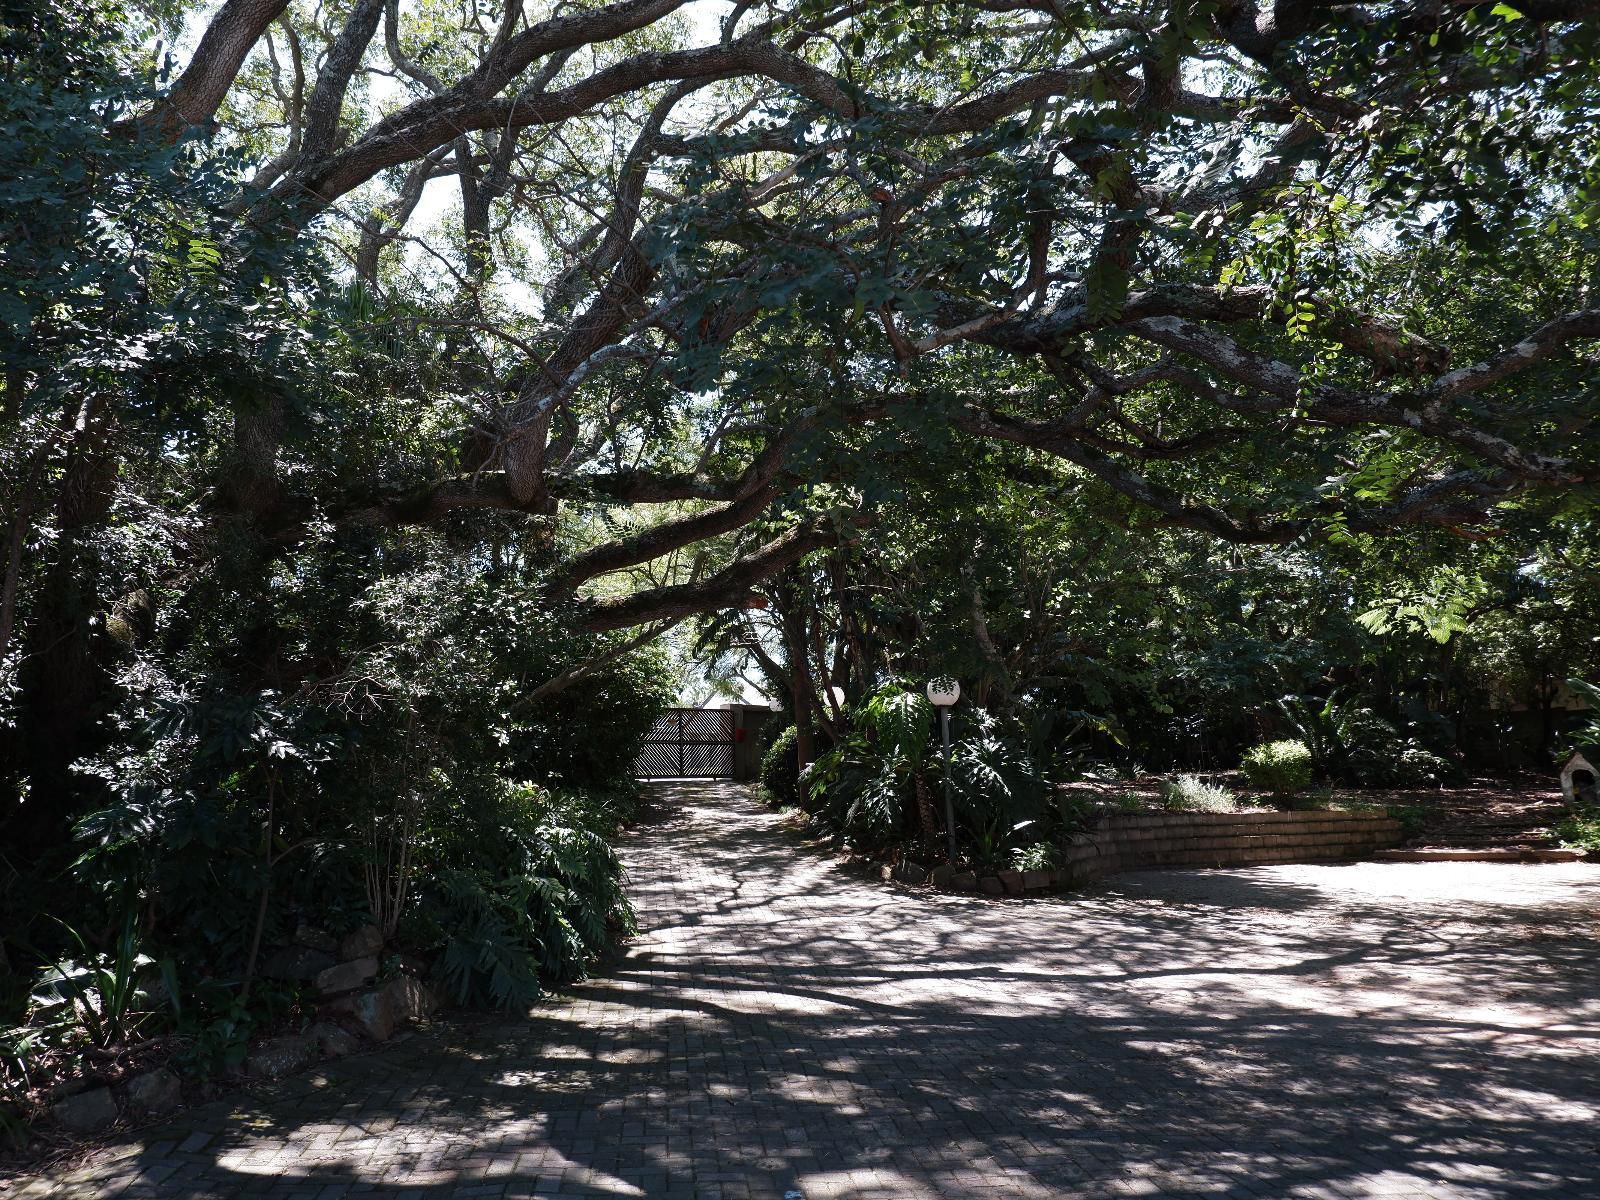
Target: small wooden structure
{"x": 1580, "y": 782}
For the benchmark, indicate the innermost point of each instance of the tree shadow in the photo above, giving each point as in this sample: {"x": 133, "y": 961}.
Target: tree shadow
{"x": 778, "y": 1028}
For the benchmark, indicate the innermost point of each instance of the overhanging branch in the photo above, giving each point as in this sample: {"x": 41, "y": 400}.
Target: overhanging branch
{"x": 727, "y": 588}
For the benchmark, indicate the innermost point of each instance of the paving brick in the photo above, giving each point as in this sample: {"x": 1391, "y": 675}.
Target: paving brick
{"x": 1359, "y": 1031}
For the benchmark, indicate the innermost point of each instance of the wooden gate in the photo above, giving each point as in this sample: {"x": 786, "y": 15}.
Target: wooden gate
{"x": 688, "y": 743}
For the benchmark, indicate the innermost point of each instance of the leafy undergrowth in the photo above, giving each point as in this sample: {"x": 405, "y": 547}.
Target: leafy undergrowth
{"x": 1581, "y": 831}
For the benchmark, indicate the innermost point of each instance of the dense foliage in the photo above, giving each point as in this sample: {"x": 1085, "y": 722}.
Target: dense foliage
{"x": 211, "y": 734}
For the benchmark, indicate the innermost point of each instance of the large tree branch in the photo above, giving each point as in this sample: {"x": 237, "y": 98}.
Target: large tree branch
{"x": 593, "y": 334}
{"x": 727, "y": 588}
{"x": 488, "y": 491}
{"x": 195, "y": 98}
{"x": 665, "y": 538}
{"x": 1381, "y": 342}
{"x": 583, "y": 670}
{"x": 1452, "y": 501}
{"x": 1206, "y": 518}
{"x": 757, "y": 488}
{"x": 430, "y": 122}
{"x": 326, "y": 104}
{"x": 1538, "y": 346}
{"x": 1405, "y": 410}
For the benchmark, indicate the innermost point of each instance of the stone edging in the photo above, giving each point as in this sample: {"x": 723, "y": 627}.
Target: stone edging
{"x": 354, "y": 1007}
{"x": 1522, "y": 854}
{"x": 1146, "y": 841}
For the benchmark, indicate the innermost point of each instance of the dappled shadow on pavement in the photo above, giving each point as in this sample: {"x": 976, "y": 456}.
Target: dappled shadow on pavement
{"x": 778, "y": 1028}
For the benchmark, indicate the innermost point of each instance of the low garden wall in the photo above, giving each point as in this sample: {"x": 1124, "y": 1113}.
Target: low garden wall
{"x": 1143, "y": 841}
{"x": 1140, "y": 841}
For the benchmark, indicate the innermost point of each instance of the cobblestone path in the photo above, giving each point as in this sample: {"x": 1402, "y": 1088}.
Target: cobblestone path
{"x": 1376, "y": 1030}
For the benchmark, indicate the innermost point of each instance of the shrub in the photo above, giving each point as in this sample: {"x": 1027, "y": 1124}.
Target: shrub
{"x": 866, "y": 788}
{"x": 1586, "y": 735}
{"x": 1281, "y": 768}
{"x": 1376, "y": 754}
{"x": 1581, "y": 831}
{"x": 1190, "y": 793}
{"x": 380, "y": 786}
{"x": 780, "y": 769}
{"x": 530, "y": 904}
{"x": 1002, "y": 798}
{"x": 1040, "y": 856}
{"x": 1351, "y": 742}
{"x": 1413, "y": 819}
{"x": 557, "y": 739}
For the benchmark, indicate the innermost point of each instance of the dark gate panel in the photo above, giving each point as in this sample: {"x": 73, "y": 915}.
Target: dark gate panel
{"x": 688, "y": 743}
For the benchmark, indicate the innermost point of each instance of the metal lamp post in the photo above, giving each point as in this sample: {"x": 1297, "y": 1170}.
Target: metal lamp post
{"x": 943, "y": 692}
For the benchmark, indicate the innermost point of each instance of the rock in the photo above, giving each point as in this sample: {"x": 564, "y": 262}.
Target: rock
{"x": 332, "y": 1040}
{"x": 86, "y": 1112}
{"x": 964, "y": 881}
{"x": 886, "y": 872}
{"x": 156, "y": 1091}
{"x": 296, "y": 964}
{"x": 410, "y": 999}
{"x": 943, "y": 874}
{"x": 910, "y": 872}
{"x": 280, "y": 1055}
{"x": 991, "y": 885}
{"x": 374, "y": 1013}
{"x": 313, "y": 938}
{"x": 1012, "y": 881}
{"x": 380, "y": 1011}
{"x": 346, "y": 976}
{"x": 365, "y": 942}
{"x": 1033, "y": 880}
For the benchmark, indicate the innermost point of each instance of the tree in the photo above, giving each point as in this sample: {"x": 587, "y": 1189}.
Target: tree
{"x": 715, "y": 275}
{"x": 1176, "y": 208}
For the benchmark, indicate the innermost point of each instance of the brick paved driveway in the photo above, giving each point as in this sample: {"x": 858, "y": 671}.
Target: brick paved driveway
{"x": 1373, "y": 1030}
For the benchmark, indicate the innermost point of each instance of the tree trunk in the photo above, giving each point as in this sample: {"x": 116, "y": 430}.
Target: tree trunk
{"x": 925, "y": 814}
{"x": 793, "y": 623}
{"x": 1547, "y": 718}
{"x": 63, "y": 685}
{"x": 251, "y": 484}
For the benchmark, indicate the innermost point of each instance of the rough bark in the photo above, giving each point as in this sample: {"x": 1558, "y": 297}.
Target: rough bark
{"x": 194, "y": 99}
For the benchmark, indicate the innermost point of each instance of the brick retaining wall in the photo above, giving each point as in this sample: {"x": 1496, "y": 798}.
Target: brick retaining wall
{"x": 1141, "y": 841}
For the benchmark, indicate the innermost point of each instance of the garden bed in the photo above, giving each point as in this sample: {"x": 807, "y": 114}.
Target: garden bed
{"x": 1510, "y": 812}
